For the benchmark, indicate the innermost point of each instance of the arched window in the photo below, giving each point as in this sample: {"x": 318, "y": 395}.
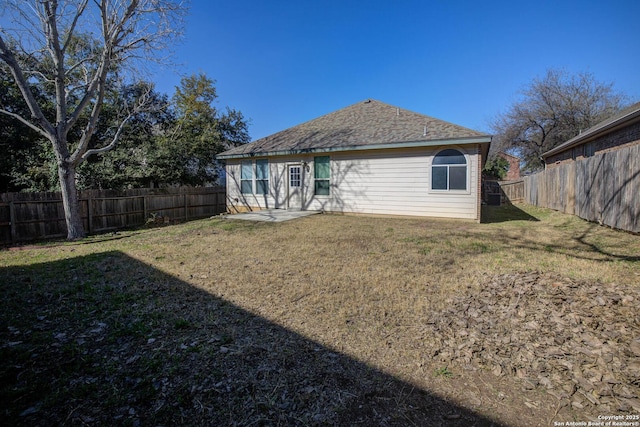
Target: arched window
{"x": 449, "y": 171}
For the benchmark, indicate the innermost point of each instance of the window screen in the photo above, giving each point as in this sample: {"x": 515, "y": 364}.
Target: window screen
{"x": 449, "y": 171}
{"x": 246, "y": 177}
{"x": 321, "y": 175}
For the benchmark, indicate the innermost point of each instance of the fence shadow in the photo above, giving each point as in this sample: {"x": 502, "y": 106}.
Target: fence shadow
{"x": 107, "y": 340}
{"x": 504, "y": 213}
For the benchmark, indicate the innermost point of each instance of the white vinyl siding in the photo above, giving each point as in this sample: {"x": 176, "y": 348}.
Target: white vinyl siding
{"x": 389, "y": 181}
{"x": 398, "y": 182}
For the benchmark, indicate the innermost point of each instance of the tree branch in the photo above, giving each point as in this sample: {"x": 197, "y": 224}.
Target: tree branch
{"x": 82, "y": 153}
{"x": 39, "y": 74}
{"x": 7, "y": 56}
{"x": 109, "y": 33}
{"x": 98, "y": 77}
{"x": 73, "y": 67}
{"x": 72, "y": 27}
{"x": 57, "y": 55}
{"x": 26, "y": 122}
{"x": 111, "y": 145}
{"x": 77, "y": 156}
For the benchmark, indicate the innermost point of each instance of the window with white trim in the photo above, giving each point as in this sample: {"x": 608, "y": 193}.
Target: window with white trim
{"x": 262, "y": 176}
{"x": 321, "y": 175}
{"x": 449, "y": 171}
{"x": 246, "y": 177}
{"x": 295, "y": 176}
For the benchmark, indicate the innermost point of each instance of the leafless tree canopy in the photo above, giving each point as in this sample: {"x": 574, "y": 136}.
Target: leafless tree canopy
{"x": 552, "y": 110}
{"x": 71, "y": 47}
{"x": 71, "y": 50}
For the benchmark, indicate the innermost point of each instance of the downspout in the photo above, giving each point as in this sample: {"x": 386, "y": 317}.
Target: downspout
{"x": 479, "y": 184}
{"x": 303, "y": 184}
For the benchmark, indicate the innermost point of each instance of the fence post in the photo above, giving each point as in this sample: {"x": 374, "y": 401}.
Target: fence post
{"x": 144, "y": 208}
{"x": 12, "y": 221}
{"x": 90, "y": 213}
{"x": 186, "y": 207}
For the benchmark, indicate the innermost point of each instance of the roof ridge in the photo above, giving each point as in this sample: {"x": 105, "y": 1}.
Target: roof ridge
{"x": 426, "y": 115}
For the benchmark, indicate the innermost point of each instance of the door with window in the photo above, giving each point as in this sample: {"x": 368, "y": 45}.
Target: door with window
{"x": 294, "y": 196}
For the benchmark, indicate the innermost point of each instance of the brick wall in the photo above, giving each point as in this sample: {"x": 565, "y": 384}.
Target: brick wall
{"x": 514, "y": 167}
{"x": 513, "y": 173}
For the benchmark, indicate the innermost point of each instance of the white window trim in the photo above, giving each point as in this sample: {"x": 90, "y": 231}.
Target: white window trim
{"x": 467, "y": 158}
{"x": 323, "y": 196}
{"x": 253, "y": 174}
{"x": 255, "y": 177}
{"x": 301, "y": 166}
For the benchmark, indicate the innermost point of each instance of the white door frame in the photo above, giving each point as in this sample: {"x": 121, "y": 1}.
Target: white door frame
{"x": 294, "y": 192}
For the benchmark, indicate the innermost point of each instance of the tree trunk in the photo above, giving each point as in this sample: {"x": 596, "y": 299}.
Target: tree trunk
{"x": 70, "y": 202}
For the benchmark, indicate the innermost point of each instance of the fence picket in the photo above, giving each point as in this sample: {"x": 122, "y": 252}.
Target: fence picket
{"x": 35, "y": 215}
{"x": 604, "y": 188}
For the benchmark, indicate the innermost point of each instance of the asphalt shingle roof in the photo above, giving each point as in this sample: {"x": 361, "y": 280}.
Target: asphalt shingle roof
{"x": 365, "y": 124}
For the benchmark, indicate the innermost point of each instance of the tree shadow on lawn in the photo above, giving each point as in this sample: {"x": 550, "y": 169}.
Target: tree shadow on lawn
{"x": 589, "y": 249}
{"x": 54, "y": 243}
{"x": 504, "y": 213}
{"x": 107, "y": 340}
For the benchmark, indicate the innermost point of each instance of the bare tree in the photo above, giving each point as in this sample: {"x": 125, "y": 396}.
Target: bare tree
{"x": 553, "y": 110}
{"x": 72, "y": 50}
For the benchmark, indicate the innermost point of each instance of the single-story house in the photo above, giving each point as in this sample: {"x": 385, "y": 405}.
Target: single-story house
{"x": 619, "y": 131}
{"x": 368, "y": 158}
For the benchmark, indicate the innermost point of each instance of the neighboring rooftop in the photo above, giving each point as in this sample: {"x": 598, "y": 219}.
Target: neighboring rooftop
{"x": 624, "y": 117}
{"x": 368, "y": 124}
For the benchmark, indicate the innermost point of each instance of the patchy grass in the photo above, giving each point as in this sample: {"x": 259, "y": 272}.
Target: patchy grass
{"x": 314, "y": 321}
{"x": 443, "y": 372}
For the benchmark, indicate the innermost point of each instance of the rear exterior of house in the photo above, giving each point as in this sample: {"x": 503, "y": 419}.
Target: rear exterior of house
{"x": 369, "y": 158}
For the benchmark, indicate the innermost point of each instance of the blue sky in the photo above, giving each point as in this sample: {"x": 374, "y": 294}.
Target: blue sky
{"x": 285, "y": 62}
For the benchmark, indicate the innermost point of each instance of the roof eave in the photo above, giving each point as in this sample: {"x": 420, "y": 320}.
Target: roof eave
{"x": 625, "y": 120}
{"x": 482, "y": 139}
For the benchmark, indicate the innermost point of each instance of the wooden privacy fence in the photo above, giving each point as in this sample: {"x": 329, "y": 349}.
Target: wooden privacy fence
{"x": 512, "y": 191}
{"x": 604, "y": 188}
{"x": 30, "y": 216}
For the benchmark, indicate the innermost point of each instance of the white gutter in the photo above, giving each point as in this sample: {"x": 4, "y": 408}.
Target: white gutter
{"x": 407, "y": 144}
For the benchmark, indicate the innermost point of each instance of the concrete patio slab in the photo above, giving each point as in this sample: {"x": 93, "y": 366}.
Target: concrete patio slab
{"x": 272, "y": 215}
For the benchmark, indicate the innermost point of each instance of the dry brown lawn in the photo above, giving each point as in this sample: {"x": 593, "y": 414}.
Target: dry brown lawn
{"x": 353, "y": 288}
